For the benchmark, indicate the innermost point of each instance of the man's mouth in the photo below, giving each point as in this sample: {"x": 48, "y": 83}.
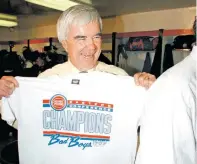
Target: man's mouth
{"x": 88, "y": 56}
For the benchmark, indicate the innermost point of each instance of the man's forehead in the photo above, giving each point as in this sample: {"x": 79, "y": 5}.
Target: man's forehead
{"x": 89, "y": 29}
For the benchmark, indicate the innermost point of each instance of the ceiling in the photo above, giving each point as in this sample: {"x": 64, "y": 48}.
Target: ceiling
{"x": 107, "y": 8}
{"x": 118, "y": 7}
{"x": 20, "y": 7}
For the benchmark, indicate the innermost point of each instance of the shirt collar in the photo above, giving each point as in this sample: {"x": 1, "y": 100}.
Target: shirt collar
{"x": 74, "y": 69}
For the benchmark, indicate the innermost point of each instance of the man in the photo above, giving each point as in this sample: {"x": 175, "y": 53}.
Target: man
{"x": 169, "y": 129}
{"x": 79, "y": 31}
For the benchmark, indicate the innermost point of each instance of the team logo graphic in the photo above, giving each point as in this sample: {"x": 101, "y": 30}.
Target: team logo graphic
{"x": 77, "y": 123}
{"x": 58, "y": 102}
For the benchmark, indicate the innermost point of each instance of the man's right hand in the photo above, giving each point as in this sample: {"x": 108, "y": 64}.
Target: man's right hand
{"x": 7, "y": 86}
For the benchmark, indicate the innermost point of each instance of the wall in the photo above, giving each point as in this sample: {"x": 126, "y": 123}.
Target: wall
{"x": 6, "y": 34}
{"x": 166, "y": 19}
{"x": 39, "y": 32}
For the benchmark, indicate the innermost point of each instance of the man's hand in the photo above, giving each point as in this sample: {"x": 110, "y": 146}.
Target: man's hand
{"x": 144, "y": 79}
{"x": 7, "y": 86}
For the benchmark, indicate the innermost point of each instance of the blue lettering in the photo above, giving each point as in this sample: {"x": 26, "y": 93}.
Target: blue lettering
{"x": 55, "y": 139}
{"x": 74, "y": 141}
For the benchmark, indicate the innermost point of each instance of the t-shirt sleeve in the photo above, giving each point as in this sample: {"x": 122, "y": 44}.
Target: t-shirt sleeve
{"x": 9, "y": 108}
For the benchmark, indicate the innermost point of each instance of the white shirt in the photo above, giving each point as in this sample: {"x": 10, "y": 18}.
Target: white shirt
{"x": 103, "y": 109}
{"x": 68, "y": 68}
{"x": 169, "y": 125}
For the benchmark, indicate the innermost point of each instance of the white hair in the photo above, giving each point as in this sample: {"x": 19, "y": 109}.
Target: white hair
{"x": 76, "y": 15}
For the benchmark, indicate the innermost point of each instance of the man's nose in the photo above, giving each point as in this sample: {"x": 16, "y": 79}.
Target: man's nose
{"x": 90, "y": 43}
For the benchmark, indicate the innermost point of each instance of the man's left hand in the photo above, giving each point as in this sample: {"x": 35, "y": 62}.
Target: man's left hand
{"x": 144, "y": 79}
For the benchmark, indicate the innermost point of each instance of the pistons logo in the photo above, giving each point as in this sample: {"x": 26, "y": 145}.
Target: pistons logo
{"x": 58, "y": 102}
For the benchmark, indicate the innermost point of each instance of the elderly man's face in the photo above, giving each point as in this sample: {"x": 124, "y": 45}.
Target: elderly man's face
{"x": 83, "y": 45}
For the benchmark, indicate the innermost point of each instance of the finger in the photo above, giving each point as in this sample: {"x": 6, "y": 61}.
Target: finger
{"x": 10, "y": 90}
{"x": 152, "y": 76}
{"x": 146, "y": 82}
{"x": 9, "y": 85}
{"x": 150, "y": 82}
{"x": 141, "y": 78}
{"x": 14, "y": 81}
{"x": 4, "y": 93}
{"x": 11, "y": 79}
{"x": 136, "y": 78}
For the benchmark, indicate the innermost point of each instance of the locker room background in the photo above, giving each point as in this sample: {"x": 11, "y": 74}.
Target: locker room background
{"x": 128, "y": 25}
{"x": 39, "y": 28}
{"x": 145, "y": 23}
{"x": 154, "y": 61}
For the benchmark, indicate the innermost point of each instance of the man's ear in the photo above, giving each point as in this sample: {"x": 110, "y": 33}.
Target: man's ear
{"x": 65, "y": 45}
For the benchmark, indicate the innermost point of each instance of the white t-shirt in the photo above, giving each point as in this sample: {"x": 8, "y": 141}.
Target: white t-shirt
{"x": 86, "y": 118}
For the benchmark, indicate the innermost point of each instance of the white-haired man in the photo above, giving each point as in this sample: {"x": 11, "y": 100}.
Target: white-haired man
{"x": 79, "y": 31}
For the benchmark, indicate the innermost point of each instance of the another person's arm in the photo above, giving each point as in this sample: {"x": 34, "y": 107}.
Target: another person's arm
{"x": 168, "y": 125}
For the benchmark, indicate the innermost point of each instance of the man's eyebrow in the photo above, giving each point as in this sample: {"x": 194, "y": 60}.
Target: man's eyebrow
{"x": 80, "y": 37}
{"x": 83, "y": 37}
{"x": 99, "y": 34}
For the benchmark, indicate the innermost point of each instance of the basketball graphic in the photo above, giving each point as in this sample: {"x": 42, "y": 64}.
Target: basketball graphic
{"x": 58, "y": 102}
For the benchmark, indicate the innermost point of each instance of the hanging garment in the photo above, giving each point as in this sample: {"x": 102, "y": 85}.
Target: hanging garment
{"x": 168, "y": 61}
{"x": 156, "y": 66}
{"x": 147, "y": 63}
